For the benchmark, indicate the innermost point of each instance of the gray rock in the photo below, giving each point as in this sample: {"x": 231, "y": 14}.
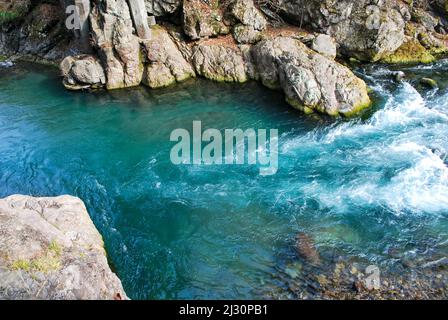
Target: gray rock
{"x": 364, "y": 30}
{"x": 246, "y": 34}
{"x": 166, "y": 64}
{"x": 247, "y": 14}
{"x": 83, "y": 71}
{"x": 325, "y": 45}
{"x": 219, "y": 61}
{"x": 399, "y": 76}
{"x": 160, "y": 8}
{"x": 311, "y": 81}
{"x": 50, "y": 249}
{"x": 140, "y": 17}
{"x": 118, "y": 47}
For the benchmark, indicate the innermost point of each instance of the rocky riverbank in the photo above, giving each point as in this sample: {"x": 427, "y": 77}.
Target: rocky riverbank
{"x": 50, "y": 249}
{"x": 287, "y": 45}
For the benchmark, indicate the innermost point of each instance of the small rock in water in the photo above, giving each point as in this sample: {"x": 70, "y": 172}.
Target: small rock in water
{"x": 399, "y": 76}
{"x": 431, "y": 83}
{"x": 306, "y": 248}
{"x": 6, "y": 64}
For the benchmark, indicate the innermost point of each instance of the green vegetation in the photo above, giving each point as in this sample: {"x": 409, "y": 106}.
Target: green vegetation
{"x": 410, "y": 52}
{"x": 49, "y": 261}
{"x": 6, "y": 16}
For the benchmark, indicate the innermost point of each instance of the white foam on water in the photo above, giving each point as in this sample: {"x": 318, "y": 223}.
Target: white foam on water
{"x": 397, "y": 140}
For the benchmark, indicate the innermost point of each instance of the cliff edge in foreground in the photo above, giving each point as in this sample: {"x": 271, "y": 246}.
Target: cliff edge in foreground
{"x": 50, "y": 249}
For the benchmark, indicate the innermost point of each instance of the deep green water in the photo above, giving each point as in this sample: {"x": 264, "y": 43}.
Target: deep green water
{"x": 359, "y": 188}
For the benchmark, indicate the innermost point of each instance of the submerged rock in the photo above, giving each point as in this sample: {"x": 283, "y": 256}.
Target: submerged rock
{"x": 306, "y": 248}
{"x": 50, "y": 249}
{"x": 428, "y": 82}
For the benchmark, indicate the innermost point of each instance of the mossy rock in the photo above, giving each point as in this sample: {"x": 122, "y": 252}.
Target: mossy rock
{"x": 430, "y": 83}
{"x": 410, "y": 52}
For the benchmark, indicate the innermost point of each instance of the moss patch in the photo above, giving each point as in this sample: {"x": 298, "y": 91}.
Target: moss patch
{"x": 410, "y": 52}
{"x": 49, "y": 261}
{"x": 6, "y": 16}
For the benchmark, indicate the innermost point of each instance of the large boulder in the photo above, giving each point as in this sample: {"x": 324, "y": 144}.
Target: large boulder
{"x": 311, "y": 81}
{"x": 118, "y": 47}
{"x": 165, "y": 63}
{"x": 364, "y": 29}
{"x": 82, "y": 72}
{"x": 250, "y": 21}
{"x": 50, "y": 249}
{"x": 220, "y": 60}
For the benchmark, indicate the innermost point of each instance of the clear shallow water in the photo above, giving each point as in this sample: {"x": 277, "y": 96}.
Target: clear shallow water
{"x": 360, "y": 188}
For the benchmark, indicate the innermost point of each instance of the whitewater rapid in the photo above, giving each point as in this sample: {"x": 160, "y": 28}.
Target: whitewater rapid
{"x": 398, "y": 156}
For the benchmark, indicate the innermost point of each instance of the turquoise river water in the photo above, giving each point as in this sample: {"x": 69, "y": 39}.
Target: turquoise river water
{"x": 358, "y": 188}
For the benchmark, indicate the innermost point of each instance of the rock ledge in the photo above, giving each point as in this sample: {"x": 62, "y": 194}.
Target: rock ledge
{"x": 50, "y": 249}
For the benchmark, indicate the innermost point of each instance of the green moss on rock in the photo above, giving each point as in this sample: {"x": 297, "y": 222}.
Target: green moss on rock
{"x": 410, "y": 52}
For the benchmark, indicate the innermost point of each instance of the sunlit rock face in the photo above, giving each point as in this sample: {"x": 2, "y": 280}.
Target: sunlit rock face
{"x": 367, "y": 30}
{"x": 51, "y": 250}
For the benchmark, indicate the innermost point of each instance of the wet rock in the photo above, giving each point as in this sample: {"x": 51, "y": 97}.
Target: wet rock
{"x": 430, "y": 83}
{"x": 306, "y": 248}
{"x": 398, "y": 76}
{"x": 50, "y": 249}
{"x": 83, "y": 71}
